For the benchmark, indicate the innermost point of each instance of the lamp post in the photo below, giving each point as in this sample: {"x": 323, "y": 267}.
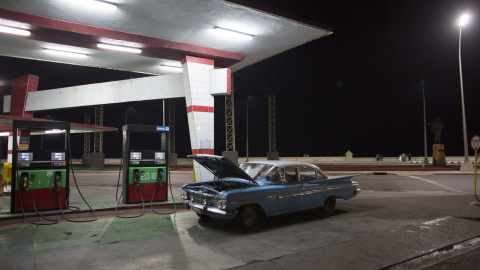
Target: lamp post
{"x": 425, "y": 160}
{"x": 466, "y": 165}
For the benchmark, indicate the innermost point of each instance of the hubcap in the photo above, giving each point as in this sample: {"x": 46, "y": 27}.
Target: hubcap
{"x": 250, "y": 216}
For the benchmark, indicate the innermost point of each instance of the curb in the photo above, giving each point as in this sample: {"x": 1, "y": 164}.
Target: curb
{"x": 438, "y": 255}
{"x": 18, "y": 219}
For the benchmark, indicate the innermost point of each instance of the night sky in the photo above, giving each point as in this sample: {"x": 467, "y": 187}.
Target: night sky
{"x": 358, "y": 89}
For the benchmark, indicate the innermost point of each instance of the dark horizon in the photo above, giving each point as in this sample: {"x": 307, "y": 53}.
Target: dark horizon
{"x": 358, "y": 89}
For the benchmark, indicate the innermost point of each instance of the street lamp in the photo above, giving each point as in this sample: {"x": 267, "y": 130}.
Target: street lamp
{"x": 466, "y": 165}
{"x": 425, "y": 160}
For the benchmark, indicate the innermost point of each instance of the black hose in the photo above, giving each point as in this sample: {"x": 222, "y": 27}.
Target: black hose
{"x": 78, "y": 189}
{"x": 119, "y": 171}
{"x": 35, "y": 208}
{"x": 135, "y": 216}
{"x": 171, "y": 192}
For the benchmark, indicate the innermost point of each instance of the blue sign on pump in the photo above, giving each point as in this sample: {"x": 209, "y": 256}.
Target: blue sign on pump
{"x": 162, "y": 128}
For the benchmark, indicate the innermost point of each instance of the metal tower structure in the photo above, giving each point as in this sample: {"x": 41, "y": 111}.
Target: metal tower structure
{"x": 230, "y": 121}
{"x": 171, "y": 123}
{"x": 272, "y": 141}
{"x": 86, "y": 136}
{"x": 98, "y": 137}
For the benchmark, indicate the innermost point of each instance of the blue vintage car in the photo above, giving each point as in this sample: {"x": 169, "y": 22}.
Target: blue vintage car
{"x": 263, "y": 188}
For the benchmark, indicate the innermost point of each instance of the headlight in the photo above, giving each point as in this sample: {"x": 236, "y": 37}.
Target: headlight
{"x": 184, "y": 195}
{"x": 222, "y": 205}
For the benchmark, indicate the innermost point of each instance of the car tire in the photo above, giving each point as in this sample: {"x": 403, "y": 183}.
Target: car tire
{"x": 204, "y": 217}
{"x": 248, "y": 216}
{"x": 329, "y": 205}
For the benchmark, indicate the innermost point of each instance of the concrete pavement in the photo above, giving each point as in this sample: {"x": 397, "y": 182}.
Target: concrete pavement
{"x": 378, "y": 229}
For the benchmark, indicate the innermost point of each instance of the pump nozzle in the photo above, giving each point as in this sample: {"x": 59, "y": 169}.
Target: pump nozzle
{"x": 136, "y": 177}
{"x": 160, "y": 176}
{"x": 58, "y": 182}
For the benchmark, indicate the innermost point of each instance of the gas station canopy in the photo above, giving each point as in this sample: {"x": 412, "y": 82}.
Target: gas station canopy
{"x": 6, "y": 123}
{"x": 160, "y": 32}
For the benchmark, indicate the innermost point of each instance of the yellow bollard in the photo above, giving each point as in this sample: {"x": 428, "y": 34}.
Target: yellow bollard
{"x": 7, "y": 172}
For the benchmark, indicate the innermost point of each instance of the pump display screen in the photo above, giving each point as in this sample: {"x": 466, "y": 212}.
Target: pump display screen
{"x": 135, "y": 155}
{"x": 159, "y": 155}
{"x": 25, "y": 156}
{"x": 58, "y": 156}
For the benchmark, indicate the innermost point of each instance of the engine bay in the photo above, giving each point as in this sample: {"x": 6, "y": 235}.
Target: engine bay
{"x": 222, "y": 185}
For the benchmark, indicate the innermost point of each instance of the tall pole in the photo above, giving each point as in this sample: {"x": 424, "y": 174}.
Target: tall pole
{"x": 247, "y": 126}
{"x": 465, "y": 143}
{"x": 425, "y": 160}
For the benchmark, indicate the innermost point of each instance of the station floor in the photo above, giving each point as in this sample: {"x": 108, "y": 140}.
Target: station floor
{"x": 181, "y": 241}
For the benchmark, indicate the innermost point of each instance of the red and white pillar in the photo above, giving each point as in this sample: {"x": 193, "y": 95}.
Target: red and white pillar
{"x": 20, "y": 89}
{"x": 200, "y": 108}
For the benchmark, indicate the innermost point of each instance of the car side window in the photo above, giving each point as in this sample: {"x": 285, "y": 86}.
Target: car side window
{"x": 321, "y": 176}
{"x": 290, "y": 174}
{"x": 307, "y": 174}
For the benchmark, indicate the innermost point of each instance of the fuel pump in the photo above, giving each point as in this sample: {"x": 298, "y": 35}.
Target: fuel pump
{"x": 145, "y": 165}
{"x": 43, "y": 174}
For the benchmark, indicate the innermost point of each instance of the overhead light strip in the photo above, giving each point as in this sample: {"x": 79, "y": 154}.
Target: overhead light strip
{"x": 172, "y": 68}
{"x": 14, "y": 31}
{"x": 233, "y": 33}
{"x": 54, "y": 131}
{"x": 93, "y": 4}
{"x": 103, "y": 5}
{"x": 65, "y": 53}
{"x": 118, "y": 48}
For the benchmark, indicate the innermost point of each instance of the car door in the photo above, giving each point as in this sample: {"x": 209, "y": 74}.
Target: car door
{"x": 314, "y": 183}
{"x": 291, "y": 197}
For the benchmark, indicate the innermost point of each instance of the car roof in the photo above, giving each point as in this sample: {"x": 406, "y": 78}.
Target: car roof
{"x": 282, "y": 163}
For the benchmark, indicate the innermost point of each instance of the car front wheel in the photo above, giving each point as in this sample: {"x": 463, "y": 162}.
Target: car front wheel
{"x": 248, "y": 216}
{"x": 329, "y": 205}
{"x": 202, "y": 216}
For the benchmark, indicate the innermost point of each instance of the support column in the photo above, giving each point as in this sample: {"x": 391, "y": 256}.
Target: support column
{"x": 172, "y": 158}
{"x": 230, "y": 150}
{"x": 86, "y": 142}
{"x": 97, "y": 158}
{"x": 200, "y": 104}
{"x": 272, "y": 153}
{"x": 20, "y": 89}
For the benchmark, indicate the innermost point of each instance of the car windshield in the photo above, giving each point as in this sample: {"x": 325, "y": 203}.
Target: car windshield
{"x": 261, "y": 172}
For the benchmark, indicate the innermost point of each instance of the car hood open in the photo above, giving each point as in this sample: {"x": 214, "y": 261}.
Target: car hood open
{"x": 221, "y": 167}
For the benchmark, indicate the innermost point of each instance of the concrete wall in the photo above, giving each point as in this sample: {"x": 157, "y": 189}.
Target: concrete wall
{"x": 323, "y": 160}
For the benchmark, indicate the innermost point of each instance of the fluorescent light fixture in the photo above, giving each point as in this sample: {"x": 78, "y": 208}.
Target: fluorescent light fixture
{"x": 65, "y": 53}
{"x": 463, "y": 20}
{"x": 172, "y": 68}
{"x": 14, "y": 31}
{"x": 53, "y": 131}
{"x": 4, "y": 133}
{"x": 118, "y": 48}
{"x": 102, "y": 5}
{"x": 93, "y": 4}
{"x": 233, "y": 33}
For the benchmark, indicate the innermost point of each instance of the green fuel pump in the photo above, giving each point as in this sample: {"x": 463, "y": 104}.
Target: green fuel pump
{"x": 40, "y": 179}
{"x": 145, "y": 164}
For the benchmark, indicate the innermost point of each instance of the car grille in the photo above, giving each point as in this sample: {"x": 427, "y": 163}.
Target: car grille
{"x": 201, "y": 199}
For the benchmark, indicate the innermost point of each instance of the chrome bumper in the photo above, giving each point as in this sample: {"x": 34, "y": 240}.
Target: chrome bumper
{"x": 357, "y": 191}
{"x": 205, "y": 209}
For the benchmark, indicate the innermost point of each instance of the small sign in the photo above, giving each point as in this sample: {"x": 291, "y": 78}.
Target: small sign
{"x": 163, "y": 128}
{"x": 24, "y": 140}
{"x": 475, "y": 142}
